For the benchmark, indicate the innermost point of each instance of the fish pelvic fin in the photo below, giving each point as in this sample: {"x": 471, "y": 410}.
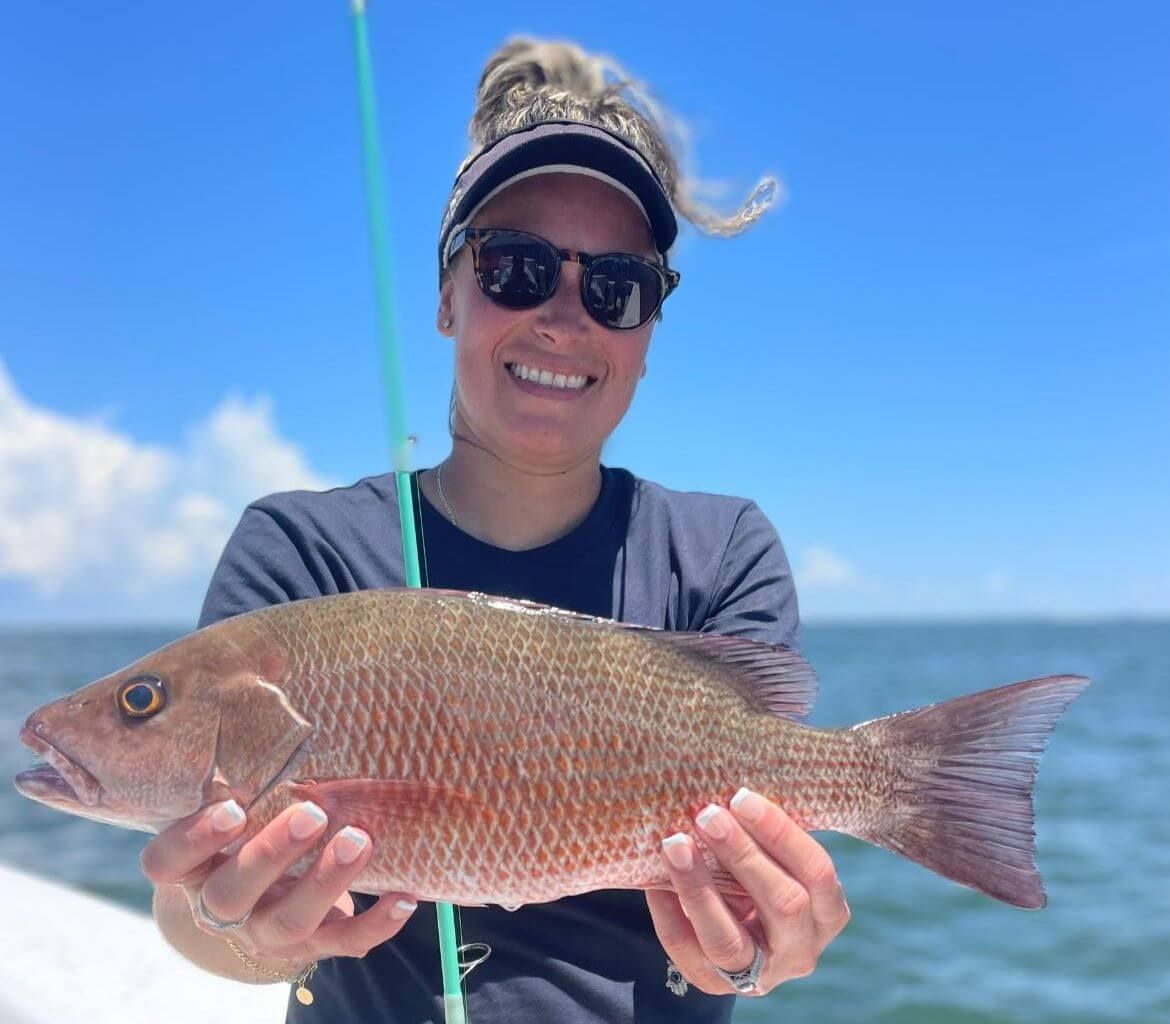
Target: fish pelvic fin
{"x": 961, "y": 801}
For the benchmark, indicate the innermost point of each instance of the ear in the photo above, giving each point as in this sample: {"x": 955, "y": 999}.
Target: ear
{"x": 258, "y": 732}
{"x": 444, "y": 321}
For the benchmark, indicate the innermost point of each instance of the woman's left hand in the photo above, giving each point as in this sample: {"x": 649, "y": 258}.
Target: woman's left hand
{"x": 796, "y": 905}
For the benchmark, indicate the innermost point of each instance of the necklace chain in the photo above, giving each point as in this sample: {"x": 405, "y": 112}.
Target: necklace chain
{"x": 442, "y": 497}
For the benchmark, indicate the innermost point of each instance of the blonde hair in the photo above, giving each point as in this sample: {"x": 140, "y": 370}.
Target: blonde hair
{"x": 529, "y": 81}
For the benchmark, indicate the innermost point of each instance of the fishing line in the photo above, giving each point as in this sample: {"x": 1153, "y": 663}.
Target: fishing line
{"x": 454, "y": 1008}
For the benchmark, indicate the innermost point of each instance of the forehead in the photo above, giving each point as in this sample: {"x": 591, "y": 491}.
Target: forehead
{"x": 572, "y": 210}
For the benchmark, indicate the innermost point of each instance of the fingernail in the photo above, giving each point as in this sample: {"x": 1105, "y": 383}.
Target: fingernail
{"x": 227, "y": 816}
{"x": 678, "y": 851}
{"x": 348, "y": 844}
{"x": 713, "y": 821}
{"x": 309, "y": 818}
{"x": 748, "y": 805}
{"x": 402, "y": 909}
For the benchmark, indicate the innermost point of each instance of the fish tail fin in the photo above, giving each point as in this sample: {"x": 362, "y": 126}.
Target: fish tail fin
{"x": 960, "y": 802}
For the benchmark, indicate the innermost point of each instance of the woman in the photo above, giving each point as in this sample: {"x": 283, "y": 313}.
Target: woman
{"x": 549, "y": 347}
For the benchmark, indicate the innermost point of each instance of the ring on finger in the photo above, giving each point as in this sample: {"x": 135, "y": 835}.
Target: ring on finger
{"x": 218, "y": 924}
{"x": 747, "y": 981}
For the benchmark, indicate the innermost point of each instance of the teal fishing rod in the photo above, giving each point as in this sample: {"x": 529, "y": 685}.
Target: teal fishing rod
{"x": 454, "y": 1009}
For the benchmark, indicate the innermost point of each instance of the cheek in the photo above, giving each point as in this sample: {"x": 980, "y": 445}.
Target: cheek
{"x": 162, "y": 768}
{"x": 630, "y": 356}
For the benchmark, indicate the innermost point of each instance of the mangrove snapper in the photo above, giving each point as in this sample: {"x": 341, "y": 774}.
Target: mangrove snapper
{"x": 504, "y": 752}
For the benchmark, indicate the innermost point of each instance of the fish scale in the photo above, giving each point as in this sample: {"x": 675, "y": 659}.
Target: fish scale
{"x": 500, "y": 751}
{"x": 507, "y": 728}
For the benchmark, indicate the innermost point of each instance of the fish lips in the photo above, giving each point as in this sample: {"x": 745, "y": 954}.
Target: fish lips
{"x": 61, "y": 780}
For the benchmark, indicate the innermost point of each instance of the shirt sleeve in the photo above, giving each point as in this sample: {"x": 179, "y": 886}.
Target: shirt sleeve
{"x": 754, "y": 594}
{"x": 261, "y": 565}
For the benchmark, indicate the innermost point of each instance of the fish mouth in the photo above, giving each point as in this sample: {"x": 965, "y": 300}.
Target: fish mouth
{"x": 60, "y": 780}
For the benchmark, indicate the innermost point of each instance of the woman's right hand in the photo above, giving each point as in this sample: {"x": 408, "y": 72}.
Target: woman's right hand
{"x": 295, "y": 920}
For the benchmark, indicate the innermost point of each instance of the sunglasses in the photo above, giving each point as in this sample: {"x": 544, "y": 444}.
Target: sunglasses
{"x": 517, "y": 270}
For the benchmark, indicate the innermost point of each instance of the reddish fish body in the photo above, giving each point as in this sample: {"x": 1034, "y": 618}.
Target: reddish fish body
{"x": 504, "y": 752}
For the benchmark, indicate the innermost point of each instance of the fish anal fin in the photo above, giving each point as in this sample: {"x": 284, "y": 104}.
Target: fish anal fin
{"x": 725, "y": 882}
{"x": 727, "y": 885}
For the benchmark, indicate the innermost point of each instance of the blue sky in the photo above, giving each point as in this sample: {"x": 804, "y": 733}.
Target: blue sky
{"x": 942, "y": 367}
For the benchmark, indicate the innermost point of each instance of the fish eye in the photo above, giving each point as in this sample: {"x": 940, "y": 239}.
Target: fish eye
{"x": 142, "y": 697}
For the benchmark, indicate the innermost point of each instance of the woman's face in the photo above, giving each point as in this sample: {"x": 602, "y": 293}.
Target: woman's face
{"x": 527, "y": 424}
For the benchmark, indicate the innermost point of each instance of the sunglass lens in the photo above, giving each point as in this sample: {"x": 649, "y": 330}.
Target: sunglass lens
{"x": 622, "y": 293}
{"x": 517, "y": 273}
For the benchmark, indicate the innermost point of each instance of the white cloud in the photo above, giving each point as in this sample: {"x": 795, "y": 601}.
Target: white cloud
{"x": 84, "y": 505}
{"x": 820, "y": 568}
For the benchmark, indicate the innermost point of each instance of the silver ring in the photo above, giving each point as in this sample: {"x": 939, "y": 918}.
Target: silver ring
{"x": 217, "y": 923}
{"x": 745, "y": 982}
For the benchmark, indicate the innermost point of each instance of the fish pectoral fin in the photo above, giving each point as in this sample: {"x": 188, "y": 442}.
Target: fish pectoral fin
{"x": 373, "y": 804}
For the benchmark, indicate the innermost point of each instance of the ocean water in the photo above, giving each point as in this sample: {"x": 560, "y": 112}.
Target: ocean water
{"x": 919, "y": 948}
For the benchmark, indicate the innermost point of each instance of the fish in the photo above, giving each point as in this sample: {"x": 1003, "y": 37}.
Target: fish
{"x": 503, "y": 752}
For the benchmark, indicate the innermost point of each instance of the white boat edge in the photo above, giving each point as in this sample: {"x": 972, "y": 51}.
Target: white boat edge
{"x": 67, "y": 957}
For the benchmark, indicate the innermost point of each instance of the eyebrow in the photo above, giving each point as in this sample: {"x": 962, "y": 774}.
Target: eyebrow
{"x": 646, "y": 251}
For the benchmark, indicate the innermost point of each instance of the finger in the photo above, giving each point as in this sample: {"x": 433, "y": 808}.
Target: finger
{"x": 357, "y": 935}
{"x": 671, "y": 926}
{"x": 234, "y": 888}
{"x": 179, "y": 850}
{"x": 298, "y": 914}
{"x": 793, "y": 940}
{"x": 678, "y": 939}
{"x": 776, "y": 893}
{"x": 723, "y": 940}
{"x": 805, "y": 860}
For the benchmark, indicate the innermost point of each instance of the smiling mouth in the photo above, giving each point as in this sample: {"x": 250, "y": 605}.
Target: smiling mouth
{"x": 61, "y": 780}
{"x": 550, "y": 378}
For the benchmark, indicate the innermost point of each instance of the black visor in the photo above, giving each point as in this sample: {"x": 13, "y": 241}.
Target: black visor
{"x": 559, "y": 146}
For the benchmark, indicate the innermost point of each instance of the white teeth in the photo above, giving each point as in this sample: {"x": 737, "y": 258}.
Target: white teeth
{"x": 570, "y": 381}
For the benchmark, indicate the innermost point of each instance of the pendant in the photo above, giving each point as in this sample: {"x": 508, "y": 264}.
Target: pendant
{"x": 304, "y": 996}
{"x": 674, "y": 979}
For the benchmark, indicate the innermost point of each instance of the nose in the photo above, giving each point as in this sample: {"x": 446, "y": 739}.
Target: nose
{"x": 563, "y": 316}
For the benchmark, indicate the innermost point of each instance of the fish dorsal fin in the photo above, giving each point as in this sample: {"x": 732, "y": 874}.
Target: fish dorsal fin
{"x": 771, "y": 678}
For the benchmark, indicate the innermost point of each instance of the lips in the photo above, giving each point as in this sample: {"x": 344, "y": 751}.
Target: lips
{"x": 60, "y": 778}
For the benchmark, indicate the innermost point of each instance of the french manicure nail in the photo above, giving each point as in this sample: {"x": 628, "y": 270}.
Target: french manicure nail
{"x": 678, "y": 851}
{"x": 402, "y": 909}
{"x": 713, "y": 821}
{"x": 309, "y": 818}
{"x": 348, "y": 844}
{"x": 748, "y": 805}
{"x": 227, "y": 816}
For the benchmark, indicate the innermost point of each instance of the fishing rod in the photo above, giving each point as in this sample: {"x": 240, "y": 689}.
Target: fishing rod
{"x": 454, "y": 1009}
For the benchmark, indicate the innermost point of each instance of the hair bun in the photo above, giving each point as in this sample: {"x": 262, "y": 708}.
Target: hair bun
{"x": 523, "y": 65}
{"x": 529, "y": 81}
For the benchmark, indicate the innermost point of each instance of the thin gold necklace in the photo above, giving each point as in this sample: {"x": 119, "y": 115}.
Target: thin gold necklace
{"x": 443, "y": 497}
